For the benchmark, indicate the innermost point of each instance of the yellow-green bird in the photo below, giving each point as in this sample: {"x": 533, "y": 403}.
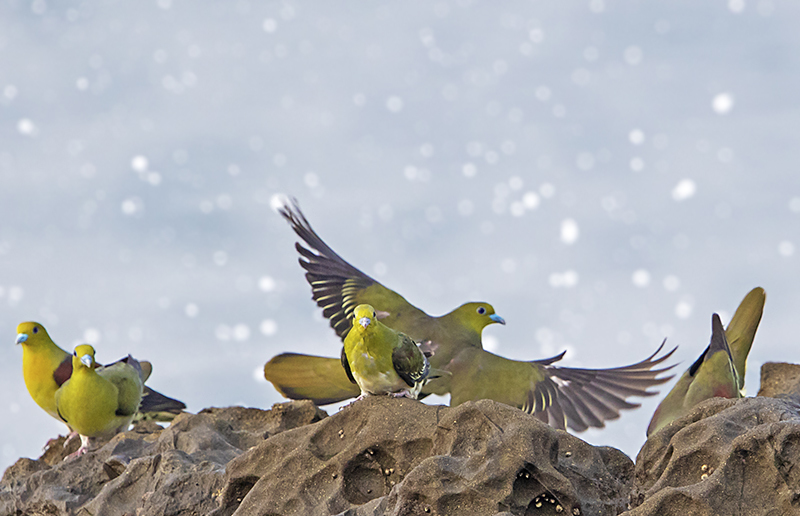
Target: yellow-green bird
{"x": 723, "y": 361}
{"x": 381, "y": 360}
{"x": 45, "y": 368}
{"x": 99, "y": 402}
{"x": 712, "y": 375}
{"x": 741, "y": 331}
{"x": 561, "y": 396}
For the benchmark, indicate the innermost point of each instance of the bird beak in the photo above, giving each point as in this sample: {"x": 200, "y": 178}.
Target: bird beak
{"x": 496, "y": 318}
{"x": 87, "y": 361}
{"x": 21, "y": 337}
{"x": 364, "y": 321}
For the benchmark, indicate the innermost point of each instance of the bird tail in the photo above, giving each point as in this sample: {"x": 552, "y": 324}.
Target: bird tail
{"x": 158, "y": 407}
{"x": 308, "y": 377}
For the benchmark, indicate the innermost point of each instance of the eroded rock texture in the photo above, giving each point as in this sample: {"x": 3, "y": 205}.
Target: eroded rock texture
{"x": 384, "y": 456}
{"x": 400, "y": 457}
{"x": 726, "y": 456}
{"x": 148, "y": 470}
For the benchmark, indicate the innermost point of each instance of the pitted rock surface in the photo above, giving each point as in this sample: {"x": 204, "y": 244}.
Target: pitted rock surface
{"x": 400, "y": 457}
{"x": 726, "y": 457}
{"x": 148, "y": 470}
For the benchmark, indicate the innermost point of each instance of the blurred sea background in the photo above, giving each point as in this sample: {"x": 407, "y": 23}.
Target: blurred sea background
{"x": 605, "y": 173}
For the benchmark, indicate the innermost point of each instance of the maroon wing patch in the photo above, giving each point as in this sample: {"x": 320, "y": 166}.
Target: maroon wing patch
{"x": 63, "y": 371}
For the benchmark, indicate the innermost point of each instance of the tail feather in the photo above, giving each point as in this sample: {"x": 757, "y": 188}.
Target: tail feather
{"x": 320, "y": 379}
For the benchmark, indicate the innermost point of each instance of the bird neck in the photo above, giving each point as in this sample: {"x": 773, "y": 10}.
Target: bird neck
{"x": 461, "y": 326}
{"x": 372, "y": 337}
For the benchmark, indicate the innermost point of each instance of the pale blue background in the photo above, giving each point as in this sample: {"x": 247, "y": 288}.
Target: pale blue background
{"x": 141, "y": 144}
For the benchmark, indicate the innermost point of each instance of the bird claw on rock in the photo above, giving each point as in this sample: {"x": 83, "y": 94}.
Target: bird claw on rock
{"x": 71, "y": 437}
{"x": 361, "y": 397}
{"x": 81, "y": 451}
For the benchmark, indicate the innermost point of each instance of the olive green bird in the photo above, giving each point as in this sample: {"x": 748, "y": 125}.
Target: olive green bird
{"x": 45, "y": 368}
{"x": 560, "y": 396}
{"x": 381, "y": 360}
{"x": 99, "y": 402}
{"x": 720, "y": 369}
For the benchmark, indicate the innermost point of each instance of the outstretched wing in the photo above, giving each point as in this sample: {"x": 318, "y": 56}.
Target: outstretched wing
{"x": 338, "y": 287}
{"x": 560, "y": 396}
{"x": 588, "y": 397}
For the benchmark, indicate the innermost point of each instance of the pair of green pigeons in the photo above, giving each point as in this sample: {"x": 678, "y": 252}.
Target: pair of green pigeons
{"x": 393, "y": 347}
{"x": 96, "y": 402}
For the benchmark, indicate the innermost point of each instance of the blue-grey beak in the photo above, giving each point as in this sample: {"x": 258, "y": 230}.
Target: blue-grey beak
{"x": 87, "y": 360}
{"x": 364, "y": 321}
{"x": 21, "y": 337}
{"x": 496, "y": 318}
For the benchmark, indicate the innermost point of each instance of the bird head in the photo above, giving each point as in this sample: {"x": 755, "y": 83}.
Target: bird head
{"x": 363, "y": 317}
{"x": 31, "y": 333}
{"x": 83, "y": 356}
{"x": 477, "y": 316}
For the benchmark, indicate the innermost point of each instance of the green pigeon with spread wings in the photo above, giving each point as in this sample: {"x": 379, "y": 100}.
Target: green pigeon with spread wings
{"x": 561, "y": 396}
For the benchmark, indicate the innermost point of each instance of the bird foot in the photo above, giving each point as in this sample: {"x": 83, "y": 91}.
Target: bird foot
{"x": 85, "y": 443}
{"x": 401, "y": 394}
{"x": 361, "y": 397}
{"x": 71, "y": 437}
{"x": 52, "y": 442}
{"x": 81, "y": 451}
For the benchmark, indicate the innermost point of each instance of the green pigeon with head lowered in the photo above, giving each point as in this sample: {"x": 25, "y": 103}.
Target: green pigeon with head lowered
{"x": 719, "y": 371}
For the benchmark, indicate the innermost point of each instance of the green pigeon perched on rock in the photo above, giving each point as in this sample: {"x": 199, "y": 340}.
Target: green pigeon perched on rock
{"x": 719, "y": 371}
{"x": 561, "y": 396}
{"x": 99, "y": 402}
{"x": 381, "y": 360}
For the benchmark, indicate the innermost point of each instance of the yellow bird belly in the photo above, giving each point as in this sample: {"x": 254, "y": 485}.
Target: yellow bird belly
{"x": 89, "y": 403}
{"x": 375, "y": 374}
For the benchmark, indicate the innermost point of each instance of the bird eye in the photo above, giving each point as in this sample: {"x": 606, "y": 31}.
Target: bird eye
{"x": 35, "y": 329}
{"x": 481, "y": 310}
{"x": 374, "y": 314}
{"x": 74, "y": 353}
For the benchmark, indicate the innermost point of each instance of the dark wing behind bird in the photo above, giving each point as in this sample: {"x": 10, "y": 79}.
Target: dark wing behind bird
{"x": 338, "y": 287}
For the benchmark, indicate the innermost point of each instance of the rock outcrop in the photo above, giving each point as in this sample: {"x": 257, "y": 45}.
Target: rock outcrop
{"x": 148, "y": 470}
{"x": 396, "y": 456}
{"x": 387, "y": 456}
{"x": 727, "y": 456}
{"x": 378, "y": 456}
